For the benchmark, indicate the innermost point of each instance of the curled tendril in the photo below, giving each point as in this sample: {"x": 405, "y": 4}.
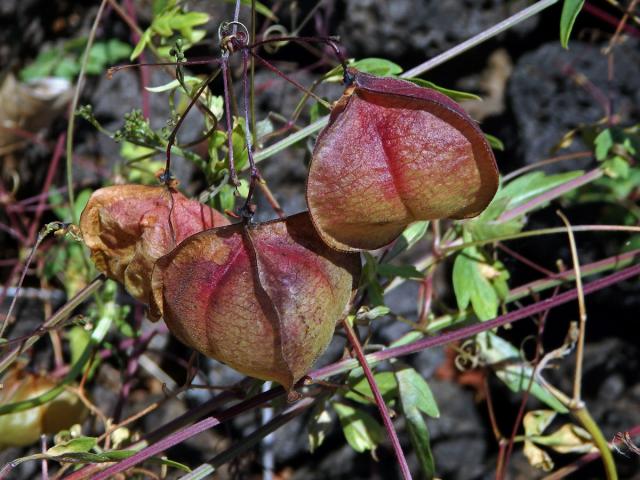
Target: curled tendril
{"x": 468, "y": 356}
{"x": 523, "y": 353}
{"x": 279, "y": 31}
{"x": 232, "y": 39}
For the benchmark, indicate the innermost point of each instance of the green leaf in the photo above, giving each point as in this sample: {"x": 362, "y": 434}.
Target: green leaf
{"x": 569, "y": 438}
{"x": 142, "y": 43}
{"x": 174, "y": 84}
{"x": 570, "y": 10}
{"x": 75, "y": 445}
{"x": 68, "y": 68}
{"x": 378, "y": 66}
{"x": 403, "y": 271}
{"x": 42, "y": 66}
{"x": 361, "y": 390}
{"x": 319, "y": 426}
{"x": 616, "y": 167}
{"x": 372, "y": 314}
{"x": 515, "y": 373}
{"x": 416, "y": 397}
{"x": 453, "y": 94}
{"x": 536, "y": 421}
{"x": 407, "y": 338}
{"x": 188, "y": 20}
{"x": 360, "y": 429}
{"x": 79, "y": 338}
{"x": 81, "y": 201}
{"x": 472, "y": 286}
{"x": 116, "y": 50}
{"x": 495, "y": 142}
{"x": 419, "y": 436}
{"x": 530, "y": 185}
{"x": 414, "y": 391}
{"x": 375, "y": 66}
{"x": 409, "y": 237}
{"x": 603, "y": 143}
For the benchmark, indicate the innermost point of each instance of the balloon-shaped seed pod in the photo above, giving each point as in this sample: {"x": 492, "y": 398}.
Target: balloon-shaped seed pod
{"x": 264, "y": 299}
{"x": 394, "y": 153}
{"x": 23, "y": 428}
{"x": 128, "y": 227}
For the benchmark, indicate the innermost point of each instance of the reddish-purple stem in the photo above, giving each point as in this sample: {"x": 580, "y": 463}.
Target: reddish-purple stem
{"x": 462, "y": 333}
{"x": 53, "y": 168}
{"x": 329, "y": 370}
{"x": 382, "y": 407}
{"x": 525, "y": 260}
{"x": 181, "y": 435}
{"x": 130, "y": 374}
{"x": 590, "y": 268}
{"x": 610, "y": 19}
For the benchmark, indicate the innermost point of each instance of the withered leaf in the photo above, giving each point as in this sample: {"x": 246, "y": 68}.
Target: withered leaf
{"x": 264, "y": 299}
{"x": 394, "y": 153}
{"x": 128, "y": 227}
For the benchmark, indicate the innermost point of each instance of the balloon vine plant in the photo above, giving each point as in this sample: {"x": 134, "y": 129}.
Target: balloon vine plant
{"x": 265, "y": 298}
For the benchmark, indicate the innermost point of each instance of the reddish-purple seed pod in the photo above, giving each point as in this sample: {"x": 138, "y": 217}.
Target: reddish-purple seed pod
{"x": 394, "y": 153}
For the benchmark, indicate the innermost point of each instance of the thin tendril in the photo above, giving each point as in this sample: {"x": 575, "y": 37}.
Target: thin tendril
{"x": 174, "y": 132}
{"x": 290, "y": 80}
{"x": 255, "y": 175}
{"x": 229, "y": 122}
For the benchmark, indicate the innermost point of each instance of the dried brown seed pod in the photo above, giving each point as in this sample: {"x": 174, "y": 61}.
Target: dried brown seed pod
{"x": 128, "y": 227}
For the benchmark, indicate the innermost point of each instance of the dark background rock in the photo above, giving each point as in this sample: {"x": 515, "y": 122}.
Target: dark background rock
{"x": 553, "y": 91}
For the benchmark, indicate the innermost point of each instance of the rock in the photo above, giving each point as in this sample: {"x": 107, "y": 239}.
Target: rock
{"x": 458, "y": 434}
{"x": 553, "y": 90}
{"x": 418, "y": 28}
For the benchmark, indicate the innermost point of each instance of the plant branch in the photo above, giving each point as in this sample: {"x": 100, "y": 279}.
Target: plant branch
{"x": 56, "y": 319}
{"x": 336, "y": 368}
{"x": 382, "y": 407}
{"x": 577, "y": 379}
{"x": 74, "y": 106}
{"x": 248, "y": 442}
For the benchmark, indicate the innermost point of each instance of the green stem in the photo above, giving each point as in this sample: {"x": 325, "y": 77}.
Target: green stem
{"x": 586, "y": 420}
{"x": 72, "y": 111}
{"x": 542, "y": 231}
{"x": 97, "y": 336}
{"x": 60, "y": 316}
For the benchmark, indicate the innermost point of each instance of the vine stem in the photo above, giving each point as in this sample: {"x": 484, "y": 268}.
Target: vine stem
{"x": 333, "y": 369}
{"x": 382, "y": 407}
{"x": 74, "y": 106}
{"x": 248, "y": 442}
{"x": 56, "y": 319}
{"x": 576, "y": 405}
{"x": 586, "y": 458}
{"x": 504, "y": 25}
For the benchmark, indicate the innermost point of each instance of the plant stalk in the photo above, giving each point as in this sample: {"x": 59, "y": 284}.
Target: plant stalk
{"x": 382, "y": 407}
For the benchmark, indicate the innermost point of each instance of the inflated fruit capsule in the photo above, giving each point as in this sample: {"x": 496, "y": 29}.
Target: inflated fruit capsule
{"x": 264, "y": 299}
{"x": 394, "y": 153}
{"x": 128, "y": 227}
